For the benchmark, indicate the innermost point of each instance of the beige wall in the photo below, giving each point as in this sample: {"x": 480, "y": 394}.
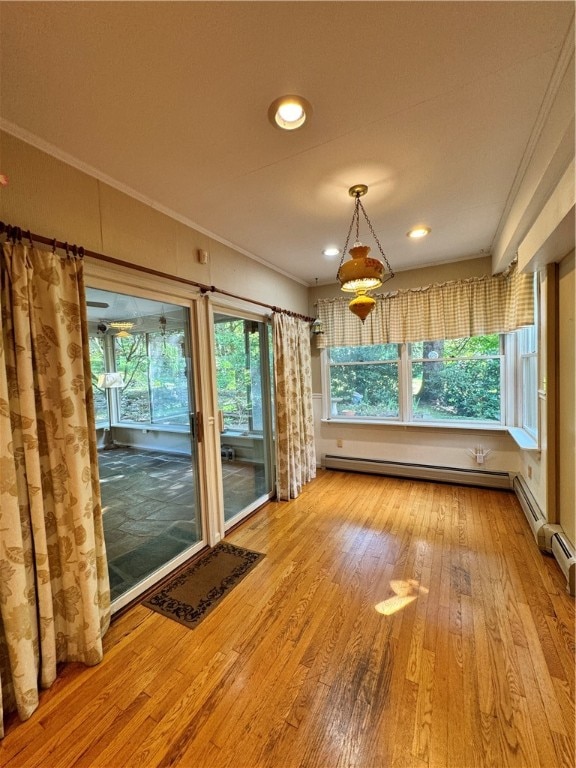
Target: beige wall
{"x": 567, "y": 398}
{"x": 546, "y": 241}
{"x": 54, "y": 199}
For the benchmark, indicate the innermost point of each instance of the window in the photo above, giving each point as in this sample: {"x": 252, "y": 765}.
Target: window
{"x": 526, "y": 366}
{"x": 528, "y": 380}
{"x": 238, "y": 372}
{"x": 98, "y": 366}
{"x": 364, "y": 381}
{"x": 153, "y": 367}
{"x": 167, "y": 376}
{"x": 451, "y": 380}
{"x": 457, "y": 379}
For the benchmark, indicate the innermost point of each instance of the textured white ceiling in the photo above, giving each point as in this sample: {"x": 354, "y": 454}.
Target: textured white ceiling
{"x": 431, "y": 104}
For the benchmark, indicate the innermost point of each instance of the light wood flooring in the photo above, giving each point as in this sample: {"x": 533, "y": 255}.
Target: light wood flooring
{"x": 471, "y": 662}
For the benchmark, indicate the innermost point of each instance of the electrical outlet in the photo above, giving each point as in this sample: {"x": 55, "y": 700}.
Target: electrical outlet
{"x": 339, "y": 442}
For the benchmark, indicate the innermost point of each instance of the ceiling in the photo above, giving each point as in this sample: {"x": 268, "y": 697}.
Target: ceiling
{"x": 108, "y": 306}
{"x": 431, "y": 104}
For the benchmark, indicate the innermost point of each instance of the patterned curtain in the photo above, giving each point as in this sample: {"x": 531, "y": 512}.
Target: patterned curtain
{"x": 452, "y": 310}
{"x": 295, "y": 451}
{"x": 54, "y": 590}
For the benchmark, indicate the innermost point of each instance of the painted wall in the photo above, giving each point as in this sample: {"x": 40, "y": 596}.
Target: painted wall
{"x": 546, "y": 244}
{"x": 567, "y": 398}
{"x": 539, "y": 229}
{"x": 54, "y": 199}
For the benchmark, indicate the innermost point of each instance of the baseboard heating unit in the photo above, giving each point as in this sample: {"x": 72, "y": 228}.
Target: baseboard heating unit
{"x": 456, "y": 475}
{"x": 566, "y": 557}
{"x": 532, "y": 511}
{"x": 549, "y": 537}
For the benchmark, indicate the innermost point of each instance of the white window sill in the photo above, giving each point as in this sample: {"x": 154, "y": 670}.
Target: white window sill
{"x": 523, "y": 439}
{"x": 466, "y": 426}
{"x": 143, "y": 427}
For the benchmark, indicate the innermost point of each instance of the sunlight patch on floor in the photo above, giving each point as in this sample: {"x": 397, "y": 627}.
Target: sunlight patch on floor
{"x": 405, "y": 593}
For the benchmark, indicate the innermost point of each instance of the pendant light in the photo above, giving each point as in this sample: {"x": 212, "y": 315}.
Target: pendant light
{"x": 362, "y": 273}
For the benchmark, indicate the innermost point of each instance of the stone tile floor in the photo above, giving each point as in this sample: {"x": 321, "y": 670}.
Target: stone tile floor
{"x": 150, "y": 510}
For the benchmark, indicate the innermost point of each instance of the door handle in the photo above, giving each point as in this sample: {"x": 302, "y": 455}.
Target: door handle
{"x": 197, "y": 426}
{"x": 221, "y": 420}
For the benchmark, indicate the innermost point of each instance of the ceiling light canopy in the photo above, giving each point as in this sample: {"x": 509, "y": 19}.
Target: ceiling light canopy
{"x": 417, "y": 232}
{"x": 362, "y": 273}
{"x": 289, "y": 112}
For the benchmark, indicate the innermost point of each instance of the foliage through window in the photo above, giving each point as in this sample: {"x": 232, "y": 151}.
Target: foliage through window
{"x": 238, "y": 373}
{"x": 151, "y": 357}
{"x": 153, "y": 366}
{"x": 364, "y": 381}
{"x": 98, "y": 366}
{"x": 456, "y": 380}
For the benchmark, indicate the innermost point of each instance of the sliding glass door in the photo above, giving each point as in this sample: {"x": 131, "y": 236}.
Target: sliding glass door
{"x": 142, "y": 371}
{"x": 243, "y": 382}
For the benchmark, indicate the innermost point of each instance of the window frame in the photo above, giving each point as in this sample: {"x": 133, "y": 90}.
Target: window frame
{"x": 116, "y": 395}
{"x": 527, "y": 396}
{"x": 251, "y": 337}
{"x": 526, "y": 437}
{"x": 397, "y": 361}
{"x": 500, "y": 356}
{"x": 405, "y": 407}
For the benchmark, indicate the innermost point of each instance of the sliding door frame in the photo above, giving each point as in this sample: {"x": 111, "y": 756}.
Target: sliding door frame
{"x": 202, "y": 308}
{"x": 240, "y": 310}
{"x": 131, "y": 282}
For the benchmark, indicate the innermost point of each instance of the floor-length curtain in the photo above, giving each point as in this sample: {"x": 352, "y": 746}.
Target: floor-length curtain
{"x": 295, "y": 451}
{"x": 54, "y": 590}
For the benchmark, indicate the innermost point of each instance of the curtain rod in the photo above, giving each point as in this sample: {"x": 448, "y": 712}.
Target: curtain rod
{"x": 16, "y": 234}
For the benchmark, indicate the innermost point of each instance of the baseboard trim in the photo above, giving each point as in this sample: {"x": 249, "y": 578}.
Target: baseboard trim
{"x": 456, "y": 475}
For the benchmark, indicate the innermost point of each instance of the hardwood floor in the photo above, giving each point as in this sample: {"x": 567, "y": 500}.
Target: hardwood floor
{"x": 469, "y": 660}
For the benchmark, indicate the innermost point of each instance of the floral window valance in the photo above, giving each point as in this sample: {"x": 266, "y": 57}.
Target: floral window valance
{"x": 456, "y": 309}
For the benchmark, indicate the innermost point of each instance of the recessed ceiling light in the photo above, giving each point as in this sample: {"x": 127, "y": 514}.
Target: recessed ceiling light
{"x": 289, "y": 112}
{"x": 331, "y": 251}
{"x": 416, "y": 232}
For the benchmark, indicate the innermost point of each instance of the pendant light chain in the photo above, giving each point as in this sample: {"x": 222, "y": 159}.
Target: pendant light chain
{"x": 371, "y": 228}
{"x": 355, "y": 218}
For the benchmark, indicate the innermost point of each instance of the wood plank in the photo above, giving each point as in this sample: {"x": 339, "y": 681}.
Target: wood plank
{"x": 545, "y": 684}
{"x": 544, "y": 743}
{"x": 424, "y": 709}
{"x": 438, "y": 749}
